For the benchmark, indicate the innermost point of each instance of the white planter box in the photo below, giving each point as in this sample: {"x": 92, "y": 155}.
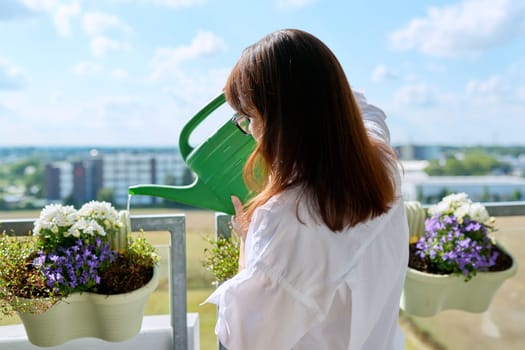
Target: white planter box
{"x": 427, "y": 294}
{"x": 109, "y": 317}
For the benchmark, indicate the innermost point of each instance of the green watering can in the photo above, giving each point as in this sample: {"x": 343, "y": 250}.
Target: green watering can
{"x": 217, "y": 163}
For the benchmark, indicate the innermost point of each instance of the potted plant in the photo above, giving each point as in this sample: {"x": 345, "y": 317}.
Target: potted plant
{"x": 456, "y": 264}
{"x": 222, "y": 257}
{"x": 77, "y": 262}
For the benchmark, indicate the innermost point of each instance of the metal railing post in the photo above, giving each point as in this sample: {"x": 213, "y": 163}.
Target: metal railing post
{"x": 222, "y": 229}
{"x": 178, "y": 302}
{"x": 176, "y": 225}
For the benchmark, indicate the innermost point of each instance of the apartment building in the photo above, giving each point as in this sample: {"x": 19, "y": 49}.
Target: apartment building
{"x": 83, "y": 179}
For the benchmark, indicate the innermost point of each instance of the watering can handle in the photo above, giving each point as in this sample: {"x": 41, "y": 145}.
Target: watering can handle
{"x": 184, "y": 144}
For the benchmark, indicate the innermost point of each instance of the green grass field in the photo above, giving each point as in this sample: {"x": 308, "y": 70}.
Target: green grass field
{"x": 199, "y": 224}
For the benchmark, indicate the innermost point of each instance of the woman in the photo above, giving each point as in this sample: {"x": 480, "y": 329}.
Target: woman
{"x": 325, "y": 241}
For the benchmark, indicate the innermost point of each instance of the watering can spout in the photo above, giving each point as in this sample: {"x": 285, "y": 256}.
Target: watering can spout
{"x": 196, "y": 195}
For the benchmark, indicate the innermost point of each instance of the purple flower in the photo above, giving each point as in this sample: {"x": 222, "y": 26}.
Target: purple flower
{"x": 456, "y": 246}
{"x": 75, "y": 268}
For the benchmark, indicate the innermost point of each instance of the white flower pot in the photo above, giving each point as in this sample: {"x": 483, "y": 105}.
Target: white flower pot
{"x": 426, "y": 294}
{"x": 112, "y": 318}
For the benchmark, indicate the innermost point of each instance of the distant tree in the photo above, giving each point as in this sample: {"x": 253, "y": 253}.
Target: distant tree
{"x": 419, "y": 195}
{"x": 485, "y": 196}
{"x": 516, "y": 195}
{"x": 434, "y": 168}
{"x": 70, "y": 200}
{"x": 28, "y": 172}
{"x": 454, "y": 167}
{"x": 106, "y": 195}
{"x": 444, "y": 192}
{"x": 480, "y": 163}
{"x": 474, "y": 162}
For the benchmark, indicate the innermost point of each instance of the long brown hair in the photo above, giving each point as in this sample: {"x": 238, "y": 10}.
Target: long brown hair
{"x": 312, "y": 131}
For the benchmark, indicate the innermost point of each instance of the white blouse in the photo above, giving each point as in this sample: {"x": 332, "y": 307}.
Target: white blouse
{"x": 306, "y": 287}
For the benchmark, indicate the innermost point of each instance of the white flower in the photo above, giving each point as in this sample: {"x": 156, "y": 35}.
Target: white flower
{"x": 478, "y": 213}
{"x": 449, "y": 204}
{"x": 462, "y": 211}
{"x": 457, "y": 198}
{"x": 55, "y": 217}
{"x": 86, "y": 227}
{"x": 102, "y": 212}
{"x": 441, "y": 207}
{"x": 460, "y": 205}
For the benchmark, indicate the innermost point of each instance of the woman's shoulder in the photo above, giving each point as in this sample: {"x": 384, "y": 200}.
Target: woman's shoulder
{"x": 270, "y": 221}
{"x": 281, "y": 204}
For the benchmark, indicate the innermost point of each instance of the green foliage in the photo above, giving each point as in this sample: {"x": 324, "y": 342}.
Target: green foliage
{"x": 516, "y": 195}
{"x": 474, "y": 162}
{"x": 141, "y": 251}
{"x": 222, "y": 258}
{"x": 106, "y": 195}
{"x": 19, "y": 281}
{"x": 30, "y": 173}
{"x": 132, "y": 269}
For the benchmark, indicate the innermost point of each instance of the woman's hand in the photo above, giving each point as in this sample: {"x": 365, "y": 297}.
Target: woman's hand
{"x": 239, "y": 210}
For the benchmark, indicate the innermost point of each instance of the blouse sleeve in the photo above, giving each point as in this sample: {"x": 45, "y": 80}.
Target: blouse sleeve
{"x": 373, "y": 117}
{"x": 260, "y": 311}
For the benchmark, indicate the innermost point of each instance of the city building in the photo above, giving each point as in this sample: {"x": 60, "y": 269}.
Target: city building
{"x": 58, "y": 180}
{"x": 417, "y": 185}
{"x": 80, "y": 181}
{"x": 418, "y": 152}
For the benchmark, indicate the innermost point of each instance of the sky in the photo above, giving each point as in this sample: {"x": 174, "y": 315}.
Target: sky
{"x": 134, "y": 72}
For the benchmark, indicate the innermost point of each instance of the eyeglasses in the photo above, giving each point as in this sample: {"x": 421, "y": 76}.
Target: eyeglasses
{"x": 243, "y": 123}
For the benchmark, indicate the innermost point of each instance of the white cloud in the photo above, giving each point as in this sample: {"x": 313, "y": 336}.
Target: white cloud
{"x": 435, "y": 67}
{"x": 57, "y": 97}
{"x": 179, "y": 3}
{"x": 293, "y": 4}
{"x": 499, "y": 89}
{"x": 521, "y": 94}
{"x": 168, "y": 60}
{"x": 463, "y": 29}
{"x": 61, "y": 12}
{"x": 166, "y": 3}
{"x": 419, "y": 94}
{"x": 493, "y": 85}
{"x": 98, "y": 23}
{"x": 41, "y": 5}
{"x": 119, "y": 73}
{"x": 62, "y": 17}
{"x": 101, "y": 45}
{"x": 141, "y": 120}
{"x": 86, "y": 68}
{"x": 382, "y": 72}
{"x": 3, "y": 111}
{"x": 11, "y": 76}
